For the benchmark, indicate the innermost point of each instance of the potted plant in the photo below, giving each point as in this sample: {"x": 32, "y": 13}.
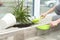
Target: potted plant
{"x": 22, "y": 15}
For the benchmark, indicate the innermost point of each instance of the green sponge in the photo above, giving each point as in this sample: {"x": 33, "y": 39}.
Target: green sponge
{"x": 44, "y": 27}
{"x": 35, "y": 20}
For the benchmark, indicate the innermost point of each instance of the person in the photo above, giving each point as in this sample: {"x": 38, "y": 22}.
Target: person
{"x": 55, "y": 8}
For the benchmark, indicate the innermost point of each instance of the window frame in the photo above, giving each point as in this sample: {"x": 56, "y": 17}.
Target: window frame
{"x": 36, "y": 8}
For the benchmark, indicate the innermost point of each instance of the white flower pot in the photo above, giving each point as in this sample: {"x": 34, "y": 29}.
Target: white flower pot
{"x": 7, "y": 20}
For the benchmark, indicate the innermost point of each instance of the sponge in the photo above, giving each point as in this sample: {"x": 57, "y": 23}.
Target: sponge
{"x": 36, "y": 20}
{"x": 44, "y": 27}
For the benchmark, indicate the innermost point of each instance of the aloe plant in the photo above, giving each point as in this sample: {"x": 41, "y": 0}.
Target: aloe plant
{"x": 22, "y": 13}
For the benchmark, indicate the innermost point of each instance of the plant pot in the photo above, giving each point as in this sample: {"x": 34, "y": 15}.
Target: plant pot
{"x": 7, "y": 20}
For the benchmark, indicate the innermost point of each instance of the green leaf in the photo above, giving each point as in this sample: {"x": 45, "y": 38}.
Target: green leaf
{"x": 22, "y": 13}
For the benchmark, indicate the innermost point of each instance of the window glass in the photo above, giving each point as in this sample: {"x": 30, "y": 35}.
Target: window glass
{"x": 46, "y": 5}
{"x": 6, "y": 5}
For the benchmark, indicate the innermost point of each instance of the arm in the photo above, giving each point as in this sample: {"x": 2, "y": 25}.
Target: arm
{"x": 50, "y": 10}
{"x": 55, "y": 23}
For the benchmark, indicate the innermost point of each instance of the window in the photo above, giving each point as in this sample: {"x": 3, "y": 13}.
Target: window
{"x": 6, "y": 6}
{"x": 46, "y": 5}
{"x": 33, "y": 4}
{"x": 37, "y": 8}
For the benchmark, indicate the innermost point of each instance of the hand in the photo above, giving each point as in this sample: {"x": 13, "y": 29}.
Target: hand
{"x": 54, "y": 23}
{"x": 44, "y": 15}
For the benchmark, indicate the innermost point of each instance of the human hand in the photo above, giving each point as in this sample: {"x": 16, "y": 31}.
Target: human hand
{"x": 44, "y": 15}
{"x": 54, "y": 23}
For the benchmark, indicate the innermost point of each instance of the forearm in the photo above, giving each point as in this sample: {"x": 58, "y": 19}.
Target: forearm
{"x": 58, "y": 20}
{"x": 51, "y": 10}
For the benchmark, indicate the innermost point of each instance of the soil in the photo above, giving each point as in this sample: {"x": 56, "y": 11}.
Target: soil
{"x": 23, "y": 25}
